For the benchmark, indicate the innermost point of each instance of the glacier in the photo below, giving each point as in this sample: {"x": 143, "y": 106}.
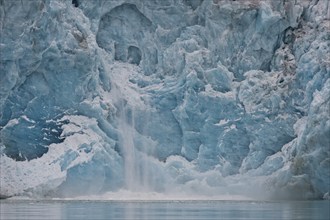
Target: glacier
{"x": 205, "y": 98}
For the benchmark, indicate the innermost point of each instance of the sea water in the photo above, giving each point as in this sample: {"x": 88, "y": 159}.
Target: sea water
{"x": 158, "y": 210}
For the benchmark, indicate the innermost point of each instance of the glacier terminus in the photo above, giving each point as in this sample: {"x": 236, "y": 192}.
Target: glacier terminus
{"x": 178, "y": 98}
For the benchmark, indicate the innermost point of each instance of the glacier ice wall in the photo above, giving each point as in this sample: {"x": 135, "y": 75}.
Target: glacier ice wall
{"x": 205, "y": 97}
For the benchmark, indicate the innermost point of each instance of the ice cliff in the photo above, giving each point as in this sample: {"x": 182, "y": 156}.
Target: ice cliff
{"x": 178, "y": 97}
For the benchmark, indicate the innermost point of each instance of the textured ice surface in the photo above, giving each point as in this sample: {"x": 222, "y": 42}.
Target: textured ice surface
{"x": 179, "y": 97}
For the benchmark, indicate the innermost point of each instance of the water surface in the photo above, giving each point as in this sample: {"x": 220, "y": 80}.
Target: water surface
{"x": 158, "y": 210}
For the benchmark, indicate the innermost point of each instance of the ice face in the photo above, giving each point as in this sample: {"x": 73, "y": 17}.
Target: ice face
{"x": 189, "y": 97}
